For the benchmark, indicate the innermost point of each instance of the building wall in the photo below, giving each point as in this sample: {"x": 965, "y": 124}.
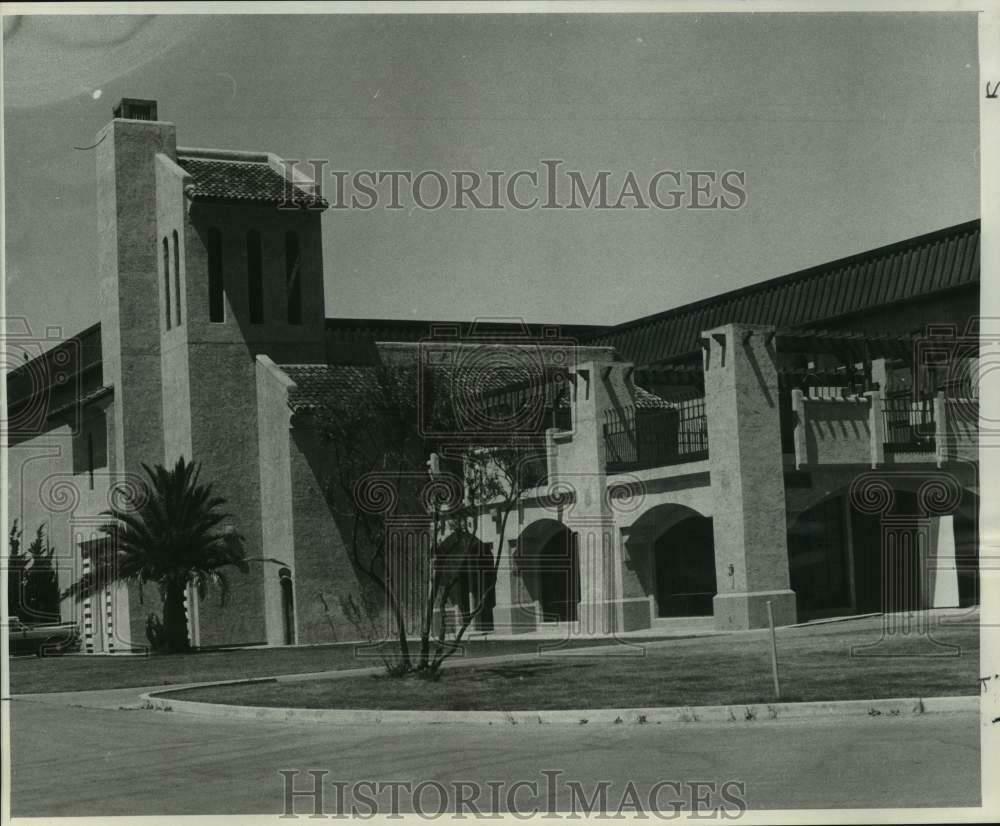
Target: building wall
{"x": 326, "y": 582}
{"x": 188, "y": 387}
{"x": 963, "y": 429}
{"x": 210, "y": 384}
{"x": 51, "y": 485}
{"x": 174, "y": 343}
{"x": 128, "y": 268}
{"x": 301, "y": 530}
{"x": 659, "y": 500}
{"x": 837, "y": 431}
{"x": 285, "y": 343}
{"x": 223, "y": 430}
{"x": 274, "y": 424}
{"x": 195, "y": 390}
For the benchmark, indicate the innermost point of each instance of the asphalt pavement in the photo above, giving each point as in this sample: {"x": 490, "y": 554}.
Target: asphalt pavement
{"x": 96, "y": 753}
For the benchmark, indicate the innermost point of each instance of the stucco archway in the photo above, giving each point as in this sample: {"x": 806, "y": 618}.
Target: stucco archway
{"x": 844, "y": 561}
{"x": 549, "y": 566}
{"x": 671, "y": 553}
{"x": 467, "y": 565}
{"x": 820, "y": 565}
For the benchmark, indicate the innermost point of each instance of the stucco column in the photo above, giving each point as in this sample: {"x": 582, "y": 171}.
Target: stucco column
{"x": 638, "y": 608}
{"x": 876, "y": 426}
{"x": 510, "y": 616}
{"x": 744, "y": 450}
{"x": 880, "y": 374}
{"x": 598, "y": 387}
{"x": 599, "y": 562}
{"x": 941, "y": 569}
{"x": 907, "y": 542}
{"x": 799, "y": 408}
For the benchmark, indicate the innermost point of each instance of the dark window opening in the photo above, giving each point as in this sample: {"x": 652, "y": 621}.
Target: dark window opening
{"x": 90, "y": 446}
{"x": 166, "y": 278}
{"x": 90, "y": 458}
{"x": 177, "y": 275}
{"x": 684, "y": 566}
{"x": 216, "y": 288}
{"x": 293, "y": 278}
{"x": 255, "y": 278}
{"x": 287, "y": 606}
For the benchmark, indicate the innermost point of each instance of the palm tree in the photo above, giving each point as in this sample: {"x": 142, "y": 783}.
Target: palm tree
{"x": 171, "y": 537}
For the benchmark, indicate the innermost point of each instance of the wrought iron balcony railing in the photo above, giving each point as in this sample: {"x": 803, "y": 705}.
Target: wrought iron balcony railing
{"x": 909, "y": 423}
{"x": 639, "y": 438}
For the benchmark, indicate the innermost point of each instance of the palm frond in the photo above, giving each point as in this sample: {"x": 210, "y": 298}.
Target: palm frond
{"x": 179, "y": 534}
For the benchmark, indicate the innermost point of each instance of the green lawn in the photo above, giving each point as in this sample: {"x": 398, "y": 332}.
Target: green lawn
{"x": 30, "y": 675}
{"x": 815, "y": 664}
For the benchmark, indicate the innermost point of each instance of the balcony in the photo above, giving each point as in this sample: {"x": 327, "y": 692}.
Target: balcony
{"x": 648, "y": 437}
{"x": 909, "y": 424}
{"x": 874, "y": 429}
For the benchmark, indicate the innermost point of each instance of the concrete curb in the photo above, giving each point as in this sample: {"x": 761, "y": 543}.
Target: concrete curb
{"x": 683, "y": 715}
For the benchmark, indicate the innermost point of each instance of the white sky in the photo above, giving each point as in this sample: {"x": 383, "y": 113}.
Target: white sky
{"x": 854, "y": 130}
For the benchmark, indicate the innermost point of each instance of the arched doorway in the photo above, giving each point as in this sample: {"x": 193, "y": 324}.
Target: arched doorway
{"x": 902, "y": 576}
{"x": 467, "y": 565}
{"x": 892, "y": 578}
{"x": 670, "y": 561}
{"x": 548, "y": 559}
{"x": 685, "y": 568}
{"x": 287, "y": 606}
{"x": 819, "y": 565}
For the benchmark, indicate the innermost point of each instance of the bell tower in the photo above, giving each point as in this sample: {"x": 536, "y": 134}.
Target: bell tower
{"x": 127, "y": 149}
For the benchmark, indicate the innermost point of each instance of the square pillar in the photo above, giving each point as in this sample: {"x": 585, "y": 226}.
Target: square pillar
{"x": 598, "y": 387}
{"x": 876, "y": 426}
{"x": 879, "y": 374}
{"x": 599, "y": 559}
{"x": 509, "y": 615}
{"x": 799, "y": 408}
{"x": 637, "y": 584}
{"x": 744, "y": 440}
{"x": 942, "y": 570}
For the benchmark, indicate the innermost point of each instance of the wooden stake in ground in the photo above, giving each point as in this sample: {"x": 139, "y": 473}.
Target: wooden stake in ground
{"x": 774, "y": 651}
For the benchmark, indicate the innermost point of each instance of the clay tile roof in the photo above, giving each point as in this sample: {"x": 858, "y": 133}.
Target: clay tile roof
{"x": 323, "y": 385}
{"x": 228, "y": 180}
{"x": 336, "y": 385}
{"x": 646, "y": 400}
{"x": 917, "y": 267}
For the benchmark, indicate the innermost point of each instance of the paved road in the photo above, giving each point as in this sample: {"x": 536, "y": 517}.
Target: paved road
{"x": 94, "y": 759}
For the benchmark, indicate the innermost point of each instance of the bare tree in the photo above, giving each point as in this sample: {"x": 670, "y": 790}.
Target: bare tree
{"x": 380, "y": 464}
{"x": 495, "y": 476}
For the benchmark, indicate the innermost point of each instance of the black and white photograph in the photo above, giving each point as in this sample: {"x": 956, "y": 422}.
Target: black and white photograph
{"x": 485, "y": 410}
